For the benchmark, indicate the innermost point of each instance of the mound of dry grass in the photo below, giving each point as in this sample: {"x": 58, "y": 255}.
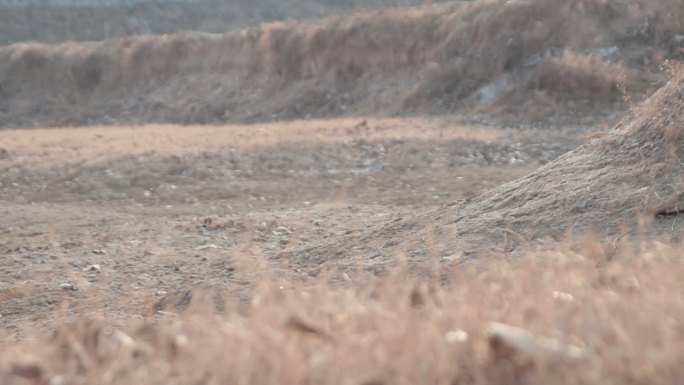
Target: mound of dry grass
{"x": 623, "y": 183}
{"x": 437, "y": 59}
{"x": 582, "y": 320}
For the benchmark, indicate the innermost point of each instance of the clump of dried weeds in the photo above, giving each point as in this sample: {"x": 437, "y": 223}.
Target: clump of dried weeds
{"x": 555, "y": 317}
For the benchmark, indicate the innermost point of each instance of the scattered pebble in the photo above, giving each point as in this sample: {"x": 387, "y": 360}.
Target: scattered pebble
{"x": 506, "y": 341}
{"x": 67, "y": 286}
{"x": 457, "y": 335}
{"x": 92, "y": 268}
{"x": 562, "y": 297}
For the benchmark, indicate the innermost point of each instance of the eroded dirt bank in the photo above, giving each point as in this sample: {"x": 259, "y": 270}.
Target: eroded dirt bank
{"x": 483, "y": 60}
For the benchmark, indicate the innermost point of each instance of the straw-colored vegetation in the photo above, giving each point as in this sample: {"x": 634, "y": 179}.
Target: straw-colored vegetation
{"x": 585, "y": 320}
{"x": 535, "y": 61}
{"x": 361, "y": 250}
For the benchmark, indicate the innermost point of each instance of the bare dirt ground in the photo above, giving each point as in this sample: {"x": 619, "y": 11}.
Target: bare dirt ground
{"x": 163, "y": 209}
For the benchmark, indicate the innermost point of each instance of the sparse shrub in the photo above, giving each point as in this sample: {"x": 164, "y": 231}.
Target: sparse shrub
{"x": 582, "y": 77}
{"x": 30, "y": 57}
{"x": 87, "y": 72}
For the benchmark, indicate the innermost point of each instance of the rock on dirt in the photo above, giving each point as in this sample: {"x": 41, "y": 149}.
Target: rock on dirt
{"x": 505, "y": 342}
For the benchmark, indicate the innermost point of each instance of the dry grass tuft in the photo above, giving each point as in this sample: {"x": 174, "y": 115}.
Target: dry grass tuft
{"x": 583, "y": 77}
{"x": 564, "y": 317}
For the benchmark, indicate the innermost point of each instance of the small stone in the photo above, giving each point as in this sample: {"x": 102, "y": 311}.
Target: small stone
{"x": 67, "y": 286}
{"x": 562, "y": 297}
{"x": 506, "y": 341}
{"x": 92, "y": 268}
{"x": 457, "y": 335}
{"x": 283, "y": 229}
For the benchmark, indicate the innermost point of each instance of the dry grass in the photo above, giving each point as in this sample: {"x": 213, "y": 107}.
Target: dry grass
{"x": 40, "y": 149}
{"x": 621, "y": 319}
{"x": 348, "y": 65}
{"x": 583, "y": 77}
{"x": 586, "y": 318}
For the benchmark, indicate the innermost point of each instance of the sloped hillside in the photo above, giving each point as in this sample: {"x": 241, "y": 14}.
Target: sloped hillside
{"x": 578, "y": 61}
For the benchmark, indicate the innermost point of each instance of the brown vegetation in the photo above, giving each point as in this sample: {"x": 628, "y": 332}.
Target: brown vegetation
{"x": 323, "y": 252}
{"x": 442, "y": 58}
{"x": 627, "y": 182}
{"x": 585, "y": 321}
{"x": 587, "y": 311}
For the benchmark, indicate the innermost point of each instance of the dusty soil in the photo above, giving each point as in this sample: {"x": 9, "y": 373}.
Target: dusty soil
{"x": 100, "y": 213}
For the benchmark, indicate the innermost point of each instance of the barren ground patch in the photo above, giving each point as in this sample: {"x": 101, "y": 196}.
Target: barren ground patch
{"x": 162, "y": 209}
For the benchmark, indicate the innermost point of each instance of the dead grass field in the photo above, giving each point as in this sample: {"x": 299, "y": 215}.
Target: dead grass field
{"x": 89, "y": 145}
{"x": 111, "y": 275}
{"x": 585, "y": 322}
{"x": 158, "y": 244}
{"x": 533, "y": 62}
{"x": 122, "y": 223}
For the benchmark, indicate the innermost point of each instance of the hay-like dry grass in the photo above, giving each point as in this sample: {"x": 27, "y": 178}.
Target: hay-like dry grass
{"x": 585, "y": 320}
{"x": 442, "y": 58}
{"x": 90, "y": 145}
{"x": 581, "y": 312}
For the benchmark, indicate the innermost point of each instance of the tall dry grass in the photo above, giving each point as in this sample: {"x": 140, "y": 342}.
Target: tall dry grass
{"x": 584, "y": 320}
{"x": 576, "y": 76}
{"x": 426, "y": 59}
